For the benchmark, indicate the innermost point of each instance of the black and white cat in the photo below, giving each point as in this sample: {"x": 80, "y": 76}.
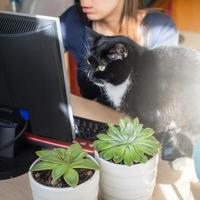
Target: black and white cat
{"x": 161, "y": 86}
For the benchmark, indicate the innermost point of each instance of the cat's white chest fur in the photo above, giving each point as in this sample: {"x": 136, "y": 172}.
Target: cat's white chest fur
{"x": 115, "y": 93}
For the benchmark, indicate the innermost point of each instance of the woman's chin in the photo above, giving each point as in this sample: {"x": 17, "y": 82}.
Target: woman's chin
{"x": 93, "y": 17}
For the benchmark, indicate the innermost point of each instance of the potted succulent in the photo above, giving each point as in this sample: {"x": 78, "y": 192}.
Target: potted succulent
{"x": 64, "y": 174}
{"x": 128, "y": 157}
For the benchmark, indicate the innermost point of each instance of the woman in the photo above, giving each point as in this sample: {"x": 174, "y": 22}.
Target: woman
{"x": 112, "y": 17}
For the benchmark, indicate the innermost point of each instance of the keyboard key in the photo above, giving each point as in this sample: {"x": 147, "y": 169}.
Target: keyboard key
{"x": 88, "y": 129}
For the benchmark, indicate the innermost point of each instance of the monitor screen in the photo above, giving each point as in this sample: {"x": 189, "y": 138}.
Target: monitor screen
{"x": 32, "y": 73}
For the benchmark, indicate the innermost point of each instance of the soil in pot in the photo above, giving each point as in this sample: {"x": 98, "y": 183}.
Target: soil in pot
{"x": 45, "y": 178}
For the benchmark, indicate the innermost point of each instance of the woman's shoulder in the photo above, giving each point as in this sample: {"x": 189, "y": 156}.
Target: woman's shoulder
{"x": 159, "y": 29}
{"x": 72, "y": 28}
{"x": 158, "y": 19}
{"x": 71, "y": 15}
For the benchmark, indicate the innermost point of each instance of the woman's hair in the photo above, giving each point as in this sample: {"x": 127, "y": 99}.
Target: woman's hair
{"x": 130, "y": 21}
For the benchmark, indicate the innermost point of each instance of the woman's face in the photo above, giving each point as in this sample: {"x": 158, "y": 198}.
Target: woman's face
{"x": 101, "y": 9}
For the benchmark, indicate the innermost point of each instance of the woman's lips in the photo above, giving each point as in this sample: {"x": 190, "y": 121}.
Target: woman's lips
{"x": 87, "y": 9}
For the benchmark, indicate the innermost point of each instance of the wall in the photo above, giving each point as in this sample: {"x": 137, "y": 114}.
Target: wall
{"x": 186, "y": 14}
{"x": 40, "y": 7}
{"x": 46, "y": 7}
{"x": 4, "y": 4}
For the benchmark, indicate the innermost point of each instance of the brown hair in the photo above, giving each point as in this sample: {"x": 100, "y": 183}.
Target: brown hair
{"x": 130, "y": 20}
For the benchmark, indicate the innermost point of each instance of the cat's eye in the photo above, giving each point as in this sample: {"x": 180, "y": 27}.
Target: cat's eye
{"x": 101, "y": 68}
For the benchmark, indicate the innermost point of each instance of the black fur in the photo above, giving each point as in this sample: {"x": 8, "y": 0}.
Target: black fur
{"x": 164, "y": 91}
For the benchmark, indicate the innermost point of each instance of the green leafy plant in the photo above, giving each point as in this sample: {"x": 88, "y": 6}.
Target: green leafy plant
{"x": 128, "y": 143}
{"x": 64, "y": 162}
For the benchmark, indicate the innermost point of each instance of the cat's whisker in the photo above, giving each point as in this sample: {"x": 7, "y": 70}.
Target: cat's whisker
{"x": 84, "y": 57}
{"x": 83, "y": 70}
{"x": 88, "y": 45}
{"x": 84, "y": 46}
{"x": 86, "y": 49}
{"x": 100, "y": 83}
{"x": 83, "y": 73}
{"x": 101, "y": 90}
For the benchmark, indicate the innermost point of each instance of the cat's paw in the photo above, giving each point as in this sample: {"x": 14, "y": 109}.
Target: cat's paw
{"x": 182, "y": 163}
{"x": 186, "y": 166}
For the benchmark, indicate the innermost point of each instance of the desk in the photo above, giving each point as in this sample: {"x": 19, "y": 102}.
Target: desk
{"x": 171, "y": 184}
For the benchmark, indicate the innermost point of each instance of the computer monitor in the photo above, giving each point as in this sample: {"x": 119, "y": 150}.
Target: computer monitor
{"x": 32, "y": 73}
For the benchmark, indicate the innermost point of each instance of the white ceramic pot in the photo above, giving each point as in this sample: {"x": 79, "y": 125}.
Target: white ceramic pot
{"x": 121, "y": 182}
{"x": 87, "y": 190}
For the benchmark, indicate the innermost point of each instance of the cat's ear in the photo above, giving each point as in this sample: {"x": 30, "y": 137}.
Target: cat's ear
{"x": 92, "y": 36}
{"x": 118, "y": 52}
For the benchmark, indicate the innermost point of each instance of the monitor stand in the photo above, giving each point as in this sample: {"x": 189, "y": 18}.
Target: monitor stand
{"x": 20, "y": 163}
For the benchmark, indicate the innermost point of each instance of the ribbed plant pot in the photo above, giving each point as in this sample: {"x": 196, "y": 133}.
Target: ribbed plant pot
{"x": 87, "y": 190}
{"x": 121, "y": 182}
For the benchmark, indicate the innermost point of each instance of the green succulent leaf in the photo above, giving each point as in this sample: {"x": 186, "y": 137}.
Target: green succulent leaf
{"x": 103, "y": 145}
{"x": 58, "y": 171}
{"x": 138, "y": 130}
{"x": 52, "y": 159}
{"x": 114, "y": 132}
{"x": 71, "y": 177}
{"x": 104, "y": 137}
{"x": 40, "y": 166}
{"x": 134, "y": 154}
{"x": 135, "y": 123}
{"x": 60, "y": 153}
{"x": 127, "y": 157}
{"x": 108, "y": 154}
{"x": 64, "y": 162}
{"x": 85, "y": 164}
{"x": 76, "y": 152}
{"x": 75, "y": 148}
{"x": 147, "y": 132}
{"x": 43, "y": 153}
{"x": 118, "y": 154}
{"x": 128, "y": 143}
{"x": 79, "y": 156}
{"x": 123, "y": 124}
{"x": 149, "y": 150}
{"x": 140, "y": 153}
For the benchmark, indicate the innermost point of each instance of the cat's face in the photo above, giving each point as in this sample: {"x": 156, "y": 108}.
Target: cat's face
{"x": 108, "y": 59}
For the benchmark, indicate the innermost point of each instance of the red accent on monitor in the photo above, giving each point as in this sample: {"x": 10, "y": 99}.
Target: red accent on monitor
{"x": 86, "y": 145}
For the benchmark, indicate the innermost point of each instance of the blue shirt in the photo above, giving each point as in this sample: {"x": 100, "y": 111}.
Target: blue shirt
{"x": 157, "y": 29}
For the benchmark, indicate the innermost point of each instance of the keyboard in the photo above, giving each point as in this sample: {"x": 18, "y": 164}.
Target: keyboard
{"x": 88, "y": 129}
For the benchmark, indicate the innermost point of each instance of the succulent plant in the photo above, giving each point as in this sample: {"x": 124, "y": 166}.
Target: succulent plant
{"x": 64, "y": 162}
{"x": 127, "y": 143}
